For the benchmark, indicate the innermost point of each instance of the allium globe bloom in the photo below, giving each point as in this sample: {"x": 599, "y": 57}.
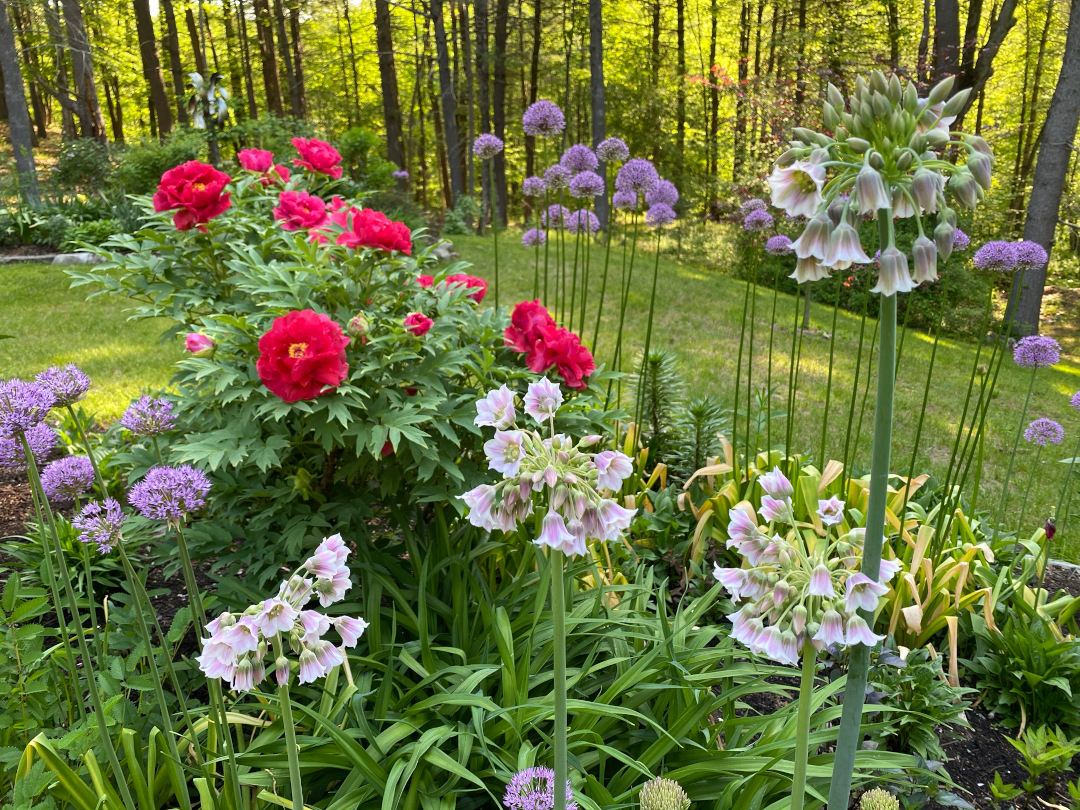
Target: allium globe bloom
{"x": 624, "y": 200}
{"x": 613, "y": 468}
{"x": 527, "y": 321}
{"x": 533, "y": 237}
{"x": 1036, "y": 351}
{"x": 612, "y": 150}
{"x": 199, "y": 344}
{"x": 562, "y": 349}
{"x": 659, "y": 215}
{"x": 302, "y": 355}
{"x": 42, "y": 441}
{"x": 753, "y": 204}
{"x": 67, "y": 478}
{"x": 100, "y": 523}
{"x": 487, "y": 146}
{"x": 583, "y": 221}
{"x": 758, "y": 220}
{"x": 256, "y": 160}
{"x": 586, "y": 185}
{"x": 496, "y": 409}
{"x": 557, "y": 177}
{"x": 543, "y": 400}
{"x": 417, "y": 323}
{"x": 317, "y": 156}
{"x": 148, "y": 416}
{"x": 195, "y": 191}
{"x": 68, "y": 384}
{"x": 1075, "y": 401}
{"x": 1043, "y": 432}
{"x": 534, "y": 789}
{"x": 796, "y": 188}
{"x": 555, "y": 216}
{"x": 170, "y": 493}
{"x": 372, "y": 229}
{"x": 663, "y": 193}
{"x": 961, "y": 240}
{"x": 997, "y": 257}
{"x": 23, "y": 405}
{"x": 1029, "y": 255}
{"x": 543, "y": 119}
{"x": 533, "y": 187}
{"x": 637, "y": 175}
{"x": 400, "y": 174}
{"x": 477, "y": 286}
{"x": 663, "y": 794}
{"x": 779, "y": 245}
{"x": 299, "y": 211}
{"x": 579, "y": 158}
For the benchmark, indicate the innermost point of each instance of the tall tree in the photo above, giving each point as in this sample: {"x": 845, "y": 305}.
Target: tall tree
{"x": 171, "y": 41}
{"x": 597, "y": 100}
{"x": 233, "y": 57}
{"x": 265, "y": 32}
{"x": 483, "y": 87}
{"x": 449, "y": 105}
{"x": 470, "y": 93}
{"x": 82, "y": 72}
{"x": 285, "y": 53}
{"x": 63, "y": 91}
{"x": 300, "y": 100}
{"x": 534, "y": 81}
{"x": 19, "y": 131}
{"x": 952, "y": 57}
{"x": 502, "y": 16}
{"x": 680, "y": 86}
{"x": 384, "y": 42}
{"x": 1051, "y": 172}
{"x": 151, "y": 65}
{"x": 196, "y": 44}
{"x": 24, "y": 22}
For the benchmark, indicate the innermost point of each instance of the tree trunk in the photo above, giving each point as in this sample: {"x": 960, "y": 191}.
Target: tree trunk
{"x": 892, "y": 10}
{"x": 470, "y": 94}
{"x": 714, "y": 97}
{"x": 342, "y": 61}
{"x": 24, "y": 22}
{"x": 502, "y": 17}
{"x": 483, "y": 70}
{"x": 449, "y": 105}
{"x": 1051, "y": 171}
{"x": 236, "y": 80}
{"x": 352, "y": 53}
{"x": 19, "y": 131}
{"x": 800, "y": 66}
{"x": 680, "y": 88}
{"x": 151, "y": 65}
{"x": 739, "y": 157}
{"x": 196, "y": 44}
{"x": 597, "y": 106}
{"x": 384, "y": 42}
{"x": 300, "y": 90}
{"x": 116, "y": 110}
{"x": 265, "y": 31}
{"x": 534, "y": 89}
{"x": 946, "y": 38}
{"x": 56, "y": 37}
{"x": 171, "y": 41}
{"x": 923, "y": 64}
{"x": 82, "y": 72}
{"x": 285, "y": 54}
{"x": 245, "y": 57}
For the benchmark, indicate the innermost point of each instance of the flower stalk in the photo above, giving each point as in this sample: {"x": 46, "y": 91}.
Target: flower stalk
{"x": 802, "y": 725}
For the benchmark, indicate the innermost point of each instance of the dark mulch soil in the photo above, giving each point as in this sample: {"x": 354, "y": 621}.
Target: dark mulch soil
{"x": 15, "y": 503}
{"x": 28, "y": 250}
{"x": 1062, "y": 578}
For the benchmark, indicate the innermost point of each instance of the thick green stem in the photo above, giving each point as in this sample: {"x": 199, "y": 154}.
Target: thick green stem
{"x": 648, "y": 337}
{"x": 292, "y": 750}
{"x": 850, "y": 734}
{"x": 802, "y": 725}
{"x": 558, "y": 619}
{"x": 494, "y": 225}
{"x": 999, "y": 515}
{"x": 828, "y": 384}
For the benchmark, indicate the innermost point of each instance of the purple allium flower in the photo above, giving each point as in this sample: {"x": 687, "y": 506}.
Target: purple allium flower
{"x": 555, "y": 216}
{"x": 579, "y": 158}
{"x": 100, "y": 522}
{"x": 779, "y": 245}
{"x": 996, "y": 257}
{"x": 663, "y": 193}
{"x": 612, "y": 150}
{"x": 753, "y": 204}
{"x": 487, "y": 146}
{"x": 68, "y": 384}
{"x": 67, "y": 478}
{"x": 1036, "y": 351}
{"x": 1029, "y": 255}
{"x": 624, "y": 200}
{"x": 581, "y": 220}
{"x": 586, "y": 185}
{"x": 170, "y": 493}
{"x": 23, "y": 405}
{"x": 659, "y": 215}
{"x": 543, "y": 119}
{"x": 400, "y": 174}
{"x": 557, "y": 177}
{"x": 534, "y": 789}
{"x": 40, "y": 437}
{"x": 1075, "y": 401}
{"x": 1042, "y": 432}
{"x": 534, "y": 186}
{"x": 533, "y": 237}
{"x": 147, "y": 416}
{"x": 637, "y": 175}
{"x": 961, "y": 240}
{"x": 757, "y": 220}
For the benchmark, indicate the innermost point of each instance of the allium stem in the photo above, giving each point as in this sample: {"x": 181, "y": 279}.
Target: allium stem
{"x": 558, "y": 620}
{"x": 494, "y": 225}
{"x": 648, "y": 336}
{"x": 846, "y": 474}
{"x": 828, "y": 384}
{"x": 587, "y": 236}
{"x": 547, "y": 241}
{"x": 91, "y": 601}
{"x": 612, "y": 216}
{"x": 792, "y": 362}
{"x": 850, "y": 734}
{"x": 768, "y": 378}
{"x": 866, "y": 389}
{"x": 738, "y": 385}
{"x": 292, "y": 750}
{"x": 802, "y": 725}
{"x": 1027, "y": 491}
{"x": 755, "y": 264}
{"x": 627, "y": 277}
{"x": 574, "y": 276}
{"x": 1059, "y": 514}
{"x": 999, "y": 515}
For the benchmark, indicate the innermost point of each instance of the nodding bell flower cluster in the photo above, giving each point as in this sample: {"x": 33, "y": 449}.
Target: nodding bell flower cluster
{"x": 885, "y": 158}
{"x": 791, "y": 592}
{"x": 238, "y": 645}
{"x": 553, "y": 476}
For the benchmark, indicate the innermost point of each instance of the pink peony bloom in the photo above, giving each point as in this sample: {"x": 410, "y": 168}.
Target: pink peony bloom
{"x": 256, "y": 160}
{"x": 417, "y": 323}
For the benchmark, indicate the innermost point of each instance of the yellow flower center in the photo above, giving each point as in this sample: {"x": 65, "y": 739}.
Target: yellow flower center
{"x": 297, "y": 349}
{"x": 198, "y": 186}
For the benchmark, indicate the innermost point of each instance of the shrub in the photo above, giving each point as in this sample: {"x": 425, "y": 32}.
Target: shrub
{"x": 268, "y": 132}
{"x": 459, "y": 219}
{"x": 361, "y": 151}
{"x": 140, "y": 165}
{"x": 84, "y": 166}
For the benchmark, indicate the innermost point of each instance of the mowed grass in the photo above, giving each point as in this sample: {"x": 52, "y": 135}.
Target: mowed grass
{"x": 50, "y": 323}
{"x": 699, "y": 317}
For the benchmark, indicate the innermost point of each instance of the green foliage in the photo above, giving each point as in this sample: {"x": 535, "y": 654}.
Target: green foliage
{"x": 84, "y": 166}
{"x": 271, "y": 133}
{"x": 657, "y": 388}
{"x": 361, "y": 153}
{"x": 139, "y": 166}
{"x": 459, "y": 219}
{"x": 94, "y": 233}
{"x": 1047, "y": 754}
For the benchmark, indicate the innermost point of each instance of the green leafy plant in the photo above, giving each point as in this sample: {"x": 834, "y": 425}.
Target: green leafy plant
{"x": 1047, "y": 753}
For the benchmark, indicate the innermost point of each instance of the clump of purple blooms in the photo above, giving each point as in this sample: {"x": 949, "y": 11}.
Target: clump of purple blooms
{"x": 758, "y": 220}
{"x": 533, "y": 237}
{"x": 23, "y": 405}
{"x": 101, "y": 523}
{"x": 586, "y": 185}
{"x": 400, "y": 174}
{"x": 534, "y": 789}
{"x": 663, "y": 193}
{"x": 1075, "y": 401}
{"x": 997, "y": 257}
{"x": 534, "y": 186}
{"x": 40, "y": 437}
{"x": 624, "y": 200}
{"x": 67, "y": 478}
{"x": 543, "y": 119}
{"x": 753, "y": 204}
{"x": 68, "y": 384}
{"x": 170, "y": 493}
{"x": 582, "y": 220}
{"x": 779, "y": 245}
{"x": 555, "y": 216}
{"x": 579, "y": 158}
{"x": 1029, "y": 255}
{"x": 659, "y": 215}
{"x": 961, "y": 240}
{"x": 637, "y": 175}
{"x": 147, "y": 416}
{"x": 487, "y": 146}
{"x": 1042, "y": 432}
{"x": 1036, "y": 351}
{"x": 557, "y": 177}
{"x": 612, "y": 150}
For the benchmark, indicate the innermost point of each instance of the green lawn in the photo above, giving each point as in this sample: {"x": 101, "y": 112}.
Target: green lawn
{"x": 50, "y": 323}
{"x": 699, "y": 316}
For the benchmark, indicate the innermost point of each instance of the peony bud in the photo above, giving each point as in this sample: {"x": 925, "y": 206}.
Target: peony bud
{"x": 1050, "y": 528}
{"x": 199, "y": 345}
{"x": 359, "y": 325}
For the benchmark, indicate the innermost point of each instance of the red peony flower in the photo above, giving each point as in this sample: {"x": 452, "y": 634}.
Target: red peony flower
{"x": 317, "y": 156}
{"x": 337, "y": 203}
{"x": 425, "y": 281}
{"x": 298, "y": 209}
{"x": 418, "y": 323}
{"x": 368, "y": 228}
{"x": 195, "y": 191}
{"x": 388, "y": 448}
{"x": 278, "y": 174}
{"x": 526, "y": 321}
{"x": 256, "y": 160}
{"x": 301, "y": 355}
{"x": 477, "y": 284}
{"x": 561, "y": 348}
